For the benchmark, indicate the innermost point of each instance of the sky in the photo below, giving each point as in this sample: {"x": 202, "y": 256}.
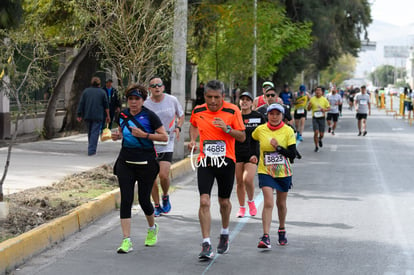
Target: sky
{"x": 397, "y": 12}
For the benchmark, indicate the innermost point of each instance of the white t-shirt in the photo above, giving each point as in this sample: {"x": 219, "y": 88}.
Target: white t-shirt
{"x": 168, "y": 110}
{"x": 333, "y": 101}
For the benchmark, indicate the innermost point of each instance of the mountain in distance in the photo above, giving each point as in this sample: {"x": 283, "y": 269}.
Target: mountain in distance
{"x": 384, "y": 34}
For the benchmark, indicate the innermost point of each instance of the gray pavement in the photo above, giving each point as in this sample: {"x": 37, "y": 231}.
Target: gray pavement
{"x": 349, "y": 212}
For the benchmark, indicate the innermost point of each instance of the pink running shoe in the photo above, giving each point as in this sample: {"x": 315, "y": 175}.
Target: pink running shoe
{"x": 252, "y": 208}
{"x": 242, "y": 211}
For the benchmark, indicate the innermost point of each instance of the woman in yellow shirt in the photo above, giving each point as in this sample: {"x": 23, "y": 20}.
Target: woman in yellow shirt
{"x": 277, "y": 148}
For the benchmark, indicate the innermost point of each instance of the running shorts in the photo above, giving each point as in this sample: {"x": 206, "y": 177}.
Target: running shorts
{"x": 361, "y": 116}
{"x": 280, "y": 184}
{"x": 224, "y": 176}
{"x": 332, "y": 116}
{"x": 318, "y": 124}
{"x": 299, "y": 116}
{"x": 167, "y": 156}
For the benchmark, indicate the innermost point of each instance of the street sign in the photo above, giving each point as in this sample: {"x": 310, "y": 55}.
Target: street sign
{"x": 396, "y": 51}
{"x": 367, "y": 45}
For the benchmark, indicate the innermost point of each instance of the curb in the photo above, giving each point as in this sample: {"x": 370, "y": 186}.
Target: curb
{"x": 16, "y": 251}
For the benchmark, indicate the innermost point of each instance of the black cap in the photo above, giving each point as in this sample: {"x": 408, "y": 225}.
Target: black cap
{"x": 249, "y": 95}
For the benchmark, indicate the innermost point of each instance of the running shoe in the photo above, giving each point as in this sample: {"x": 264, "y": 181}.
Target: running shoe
{"x": 282, "y": 237}
{"x": 223, "y": 246}
{"x": 206, "y": 252}
{"x": 359, "y": 133}
{"x": 151, "y": 238}
{"x": 316, "y": 149}
{"x": 252, "y": 208}
{"x": 320, "y": 142}
{"x": 300, "y": 138}
{"x": 158, "y": 211}
{"x": 329, "y": 129}
{"x": 242, "y": 211}
{"x": 333, "y": 133}
{"x": 264, "y": 242}
{"x": 365, "y": 133}
{"x": 126, "y": 246}
{"x": 166, "y": 205}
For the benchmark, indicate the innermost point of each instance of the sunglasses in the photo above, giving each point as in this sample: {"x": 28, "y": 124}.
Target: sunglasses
{"x": 156, "y": 85}
{"x": 270, "y": 95}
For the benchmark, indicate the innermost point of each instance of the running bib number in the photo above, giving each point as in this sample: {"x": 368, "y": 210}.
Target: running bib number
{"x": 214, "y": 148}
{"x": 318, "y": 114}
{"x": 300, "y": 111}
{"x": 363, "y": 102}
{"x": 272, "y": 158}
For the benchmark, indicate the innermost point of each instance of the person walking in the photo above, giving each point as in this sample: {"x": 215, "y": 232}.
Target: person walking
{"x": 113, "y": 100}
{"x": 335, "y": 100}
{"x": 138, "y": 128}
{"x": 247, "y": 156}
{"x": 92, "y": 107}
{"x": 300, "y": 101}
{"x": 218, "y": 124}
{"x": 319, "y": 106}
{"x": 277, "y": 146}
{"x": 171, "y": 113}
{"x": 363, "y": 109}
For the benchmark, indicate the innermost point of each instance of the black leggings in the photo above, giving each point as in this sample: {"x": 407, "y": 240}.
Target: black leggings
{"x": 127, "y": 175}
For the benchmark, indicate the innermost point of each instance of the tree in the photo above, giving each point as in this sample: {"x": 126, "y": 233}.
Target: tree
{"x": 339, "y": 71}
{"x": 10, "y": 13}
{"x": 15, "y": 80}
{"x": 338, "y": 27}
{"x": 223, "y": 39}
{"x": 384, "y": 75}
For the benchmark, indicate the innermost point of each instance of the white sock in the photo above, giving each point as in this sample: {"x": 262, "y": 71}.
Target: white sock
{"x": 152, "y": 227}
{"x": 207, "y": 240}
{"x": 250, "y": 201}
{"x": 225, "y": 231}
{"x": 244, "y": 206}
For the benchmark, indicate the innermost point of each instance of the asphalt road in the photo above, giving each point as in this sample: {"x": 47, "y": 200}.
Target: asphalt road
{"x": 350, "y": 211}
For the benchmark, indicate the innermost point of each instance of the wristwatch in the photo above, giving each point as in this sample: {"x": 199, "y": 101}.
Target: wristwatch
{"x": 178, "y": 127}
{"x": 228, "y": 129}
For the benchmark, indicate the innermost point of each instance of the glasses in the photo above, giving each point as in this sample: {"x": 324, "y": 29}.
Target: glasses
{"x": 270, "y": 95}
{"x": 156, "y": 85}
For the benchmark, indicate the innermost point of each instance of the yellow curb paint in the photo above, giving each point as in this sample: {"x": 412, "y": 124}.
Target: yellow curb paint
{"x": 15, "y": 251}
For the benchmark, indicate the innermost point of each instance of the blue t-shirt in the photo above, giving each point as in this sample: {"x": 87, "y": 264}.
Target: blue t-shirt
{"x": 134, "y": 148}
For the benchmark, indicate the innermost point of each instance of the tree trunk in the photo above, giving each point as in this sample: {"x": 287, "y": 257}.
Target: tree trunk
{"x": 49, "y": 122}
{"x": 85, "y": 71}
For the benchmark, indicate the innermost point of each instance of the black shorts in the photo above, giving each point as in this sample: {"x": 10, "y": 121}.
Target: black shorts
{"x": 361, "y": 116}
{"x": 167, "y": 156}
{"x": 299, "y": 116}
{"x": 245, "y": 158}
{"x": 332, "y": 116}
{"x": 224, "y": 176}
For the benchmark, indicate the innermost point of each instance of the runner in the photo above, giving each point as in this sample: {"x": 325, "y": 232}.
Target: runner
{"x": 319, "y": 105}
{"x": 335, "y": 101}
{"x": 260, "y": 100}
{"x": 168, "y": 110}
{"x": 270, "y": 97}
{"x": 247, "y": 156}
{"x": 136, "y": 162}
{"x": 300, "y": 100}
{"x": 277, "y": 146}
{"x": 363, "y": 109}
{"x": 219, "y": 124}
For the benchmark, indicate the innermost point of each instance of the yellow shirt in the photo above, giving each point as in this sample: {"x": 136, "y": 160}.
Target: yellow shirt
{"x": 318, "y": 104}
{"x": 285, "y": 137}
{"x": 301, "y": 101}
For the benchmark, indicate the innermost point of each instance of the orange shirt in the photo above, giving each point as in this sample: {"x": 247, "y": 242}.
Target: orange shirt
{"x": 202, "y": 118}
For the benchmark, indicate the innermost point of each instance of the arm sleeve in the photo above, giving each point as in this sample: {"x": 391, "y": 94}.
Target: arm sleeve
{"x": 289, "y": 153}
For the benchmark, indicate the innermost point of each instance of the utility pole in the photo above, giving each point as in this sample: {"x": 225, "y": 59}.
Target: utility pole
{"x": 254, "y": 80}
{"x": 179, "y": 63}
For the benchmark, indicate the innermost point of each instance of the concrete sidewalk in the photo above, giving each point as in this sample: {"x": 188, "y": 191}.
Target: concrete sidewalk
{"x": 42, "y": 163}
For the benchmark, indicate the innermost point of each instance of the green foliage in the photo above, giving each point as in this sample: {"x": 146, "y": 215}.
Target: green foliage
{"x": 223, "y": 38}
{"x": 384, "y": 75}
{"x": 337, "y": 30}
{"x": 10, "y": 13}
{"x": 339, "y": 71}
